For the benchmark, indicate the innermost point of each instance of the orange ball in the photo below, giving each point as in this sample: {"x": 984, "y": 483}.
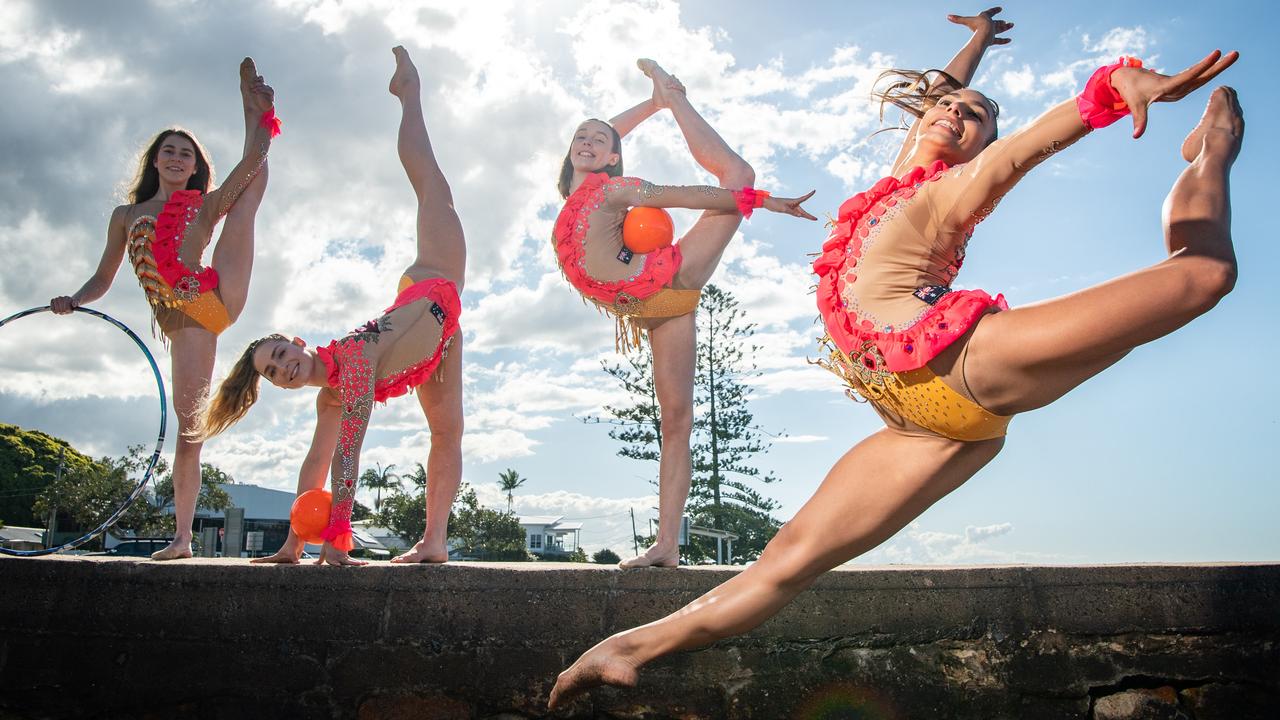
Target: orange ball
{"x": 647, "y": 229}
{"x": 310, "y": 515}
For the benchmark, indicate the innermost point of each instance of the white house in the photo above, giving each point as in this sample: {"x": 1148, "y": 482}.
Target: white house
{"x": 549, "y": 535}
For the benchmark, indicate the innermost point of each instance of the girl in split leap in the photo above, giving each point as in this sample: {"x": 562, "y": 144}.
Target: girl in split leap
{"x": 655, "y": 292}
{"x": 413, "y": 345}
{"x": 164, "y": 229}
{"x": 948, "y": 368}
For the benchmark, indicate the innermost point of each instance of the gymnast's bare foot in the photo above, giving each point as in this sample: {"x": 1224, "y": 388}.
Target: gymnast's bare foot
{"x": 333, "y": 556}
{"x": 288, "y": 554}
{"x": 179, "y": 549}
{"x": 653, "y": 557}
{"x": 1220, "y": 129}
{"x": 664, "y": 84}
{"x": 424, "y": 552}
{"x": 404, "y": 82}
{"x": 604, "y": 664}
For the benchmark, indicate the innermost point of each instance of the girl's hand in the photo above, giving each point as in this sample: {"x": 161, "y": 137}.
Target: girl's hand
{"x": 985, "y": 26}
{"x": 789, "y": 206}
{"x": 63, "y": 304}
{"x": 1139, "y": 87}
{"x": 333, "y": 556}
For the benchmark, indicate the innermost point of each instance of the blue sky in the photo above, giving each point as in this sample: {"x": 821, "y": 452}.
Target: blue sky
{"x": 1170, "y": 455}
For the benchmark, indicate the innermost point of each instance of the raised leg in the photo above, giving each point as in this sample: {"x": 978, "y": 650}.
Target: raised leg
{"x": 706, "y": 241}
{"x": 192, "y": 351}
{"x": 1028, "y": 357}
{"x": 872, "y": 492}
{"x": 233, "y": 253}
{"x": 442, "y": 250}
{"x": 442, "y": 404}
{"x": 674, "y": 343}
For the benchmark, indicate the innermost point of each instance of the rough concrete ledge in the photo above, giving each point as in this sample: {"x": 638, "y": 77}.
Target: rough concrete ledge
{"x": 99, "y": 637}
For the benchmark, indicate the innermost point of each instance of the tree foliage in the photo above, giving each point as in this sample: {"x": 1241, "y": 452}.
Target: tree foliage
{"x": 485, "y": 533}
{"x": 28, "y": 464}
{"x": 605, "y": 557}
{"x": 509, "y": 481}
{"x": 726, "y": 440}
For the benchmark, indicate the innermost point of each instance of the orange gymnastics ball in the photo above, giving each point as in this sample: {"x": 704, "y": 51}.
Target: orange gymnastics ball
{"x": 647, "y": 229}
{"x": 310, "y": 515}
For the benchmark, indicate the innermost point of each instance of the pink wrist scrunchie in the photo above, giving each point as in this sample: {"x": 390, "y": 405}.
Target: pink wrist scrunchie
{"x": 1099, "y": 104}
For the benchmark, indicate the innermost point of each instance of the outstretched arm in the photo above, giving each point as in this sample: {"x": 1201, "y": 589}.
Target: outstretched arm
{"x": 97, "y": 285}
{"x": 1112, "y": 92}
{"x": 964, "y": 65}
{"x": 622, "y": 193}
{"x": 355, "y": 392}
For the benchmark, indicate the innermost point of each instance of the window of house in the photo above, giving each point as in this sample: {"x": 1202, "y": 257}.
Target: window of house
{"x": 535, "y": 542}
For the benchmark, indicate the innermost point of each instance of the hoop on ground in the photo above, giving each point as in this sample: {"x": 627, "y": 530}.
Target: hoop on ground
{"x": 155, "y": 456}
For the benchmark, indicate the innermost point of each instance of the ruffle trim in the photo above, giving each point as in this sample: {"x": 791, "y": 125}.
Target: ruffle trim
{"x": 660, "y": 267}
{"x": 171, "y": 228}
{"x": 445, "y": 294}
{"x": 338, "y": 534}
{"x": 1099, "y": 104}
{"x": 912, "y": 348}
{"x": 438, "y": 290}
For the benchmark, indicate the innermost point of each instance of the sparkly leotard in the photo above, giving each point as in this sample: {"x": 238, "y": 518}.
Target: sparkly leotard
{"x": 420, "y": 326}
{"x": 179, "y": 296}
{"x": 885, "y": 272}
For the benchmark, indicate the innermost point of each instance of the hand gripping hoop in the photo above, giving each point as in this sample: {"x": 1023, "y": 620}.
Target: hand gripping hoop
{"x": 151, "y": 464}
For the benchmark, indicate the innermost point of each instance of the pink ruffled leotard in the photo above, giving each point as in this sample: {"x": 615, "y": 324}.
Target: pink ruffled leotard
{"x": 884, "y": 275}
{"x": 414, "y": 355}
{"x": 635, "y": 276}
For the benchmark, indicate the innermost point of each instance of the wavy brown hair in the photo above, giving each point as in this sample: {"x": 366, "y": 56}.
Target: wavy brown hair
{"x": 915, "y": 92}
{"x": 566, "y": 168}
{"x": 146, "y": 181}
{"x": 234, "y": 396}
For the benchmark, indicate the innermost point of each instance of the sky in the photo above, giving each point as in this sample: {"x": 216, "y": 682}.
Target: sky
{"x": 1168, "y": 456}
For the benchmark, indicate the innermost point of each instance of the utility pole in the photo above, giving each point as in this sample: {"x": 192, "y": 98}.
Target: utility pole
{"x": 634, "y": 542}
{"x": 53, "y": 508}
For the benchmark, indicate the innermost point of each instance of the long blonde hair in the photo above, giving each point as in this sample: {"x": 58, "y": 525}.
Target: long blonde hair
{"x": 235, "y": 395}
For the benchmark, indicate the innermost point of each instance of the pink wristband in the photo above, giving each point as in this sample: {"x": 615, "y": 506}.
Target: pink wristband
{"x": 749, "y": 199}
{"x": 270, "y": 122}
{"x": 1099, "y": 104}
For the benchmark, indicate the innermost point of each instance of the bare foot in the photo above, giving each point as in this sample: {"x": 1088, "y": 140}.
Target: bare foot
{"x": 1221, "y": 125}
{"x": 423, "y": 552}
{"x": 601, "y": 665}
{"x": 653, "y": 557}
{"x": 177, "y": 550}
{"x": 664, "y": 84}
{"x": 284, "y": 556}
{"x": 404, "y": 81}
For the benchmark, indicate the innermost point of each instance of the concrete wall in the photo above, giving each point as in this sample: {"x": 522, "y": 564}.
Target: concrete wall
{"x": 222, "y": 639}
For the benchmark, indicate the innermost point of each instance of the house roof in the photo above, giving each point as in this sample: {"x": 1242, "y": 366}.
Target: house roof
{"x": 540, "y": 519}
{"x": 259, "y": 503}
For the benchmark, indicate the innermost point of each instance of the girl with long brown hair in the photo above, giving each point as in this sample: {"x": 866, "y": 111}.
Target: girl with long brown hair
{"x": 170, "y": 218}
{"x": 945, "y": 368}
{"x": 415, "y": 344}
{"x": 655, "y": 292}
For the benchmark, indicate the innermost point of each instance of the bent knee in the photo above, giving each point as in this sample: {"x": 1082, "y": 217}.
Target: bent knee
{"x": 1206, "y": 280}
{"x": 738, "y": 175}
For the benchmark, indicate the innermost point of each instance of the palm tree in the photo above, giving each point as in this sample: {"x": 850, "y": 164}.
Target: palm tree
{"x": 379, "y": 479}
{"x": 419, "y": 477}
{"x": 510, "y": 480}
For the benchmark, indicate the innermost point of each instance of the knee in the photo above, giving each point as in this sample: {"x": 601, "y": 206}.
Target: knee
{"x": 793, "y": 560}
{"x": 677, "y": 419}
{"x": 446, "y": 432}
{"x": 1207, "y": 280}
{"x": 738, "y": 175}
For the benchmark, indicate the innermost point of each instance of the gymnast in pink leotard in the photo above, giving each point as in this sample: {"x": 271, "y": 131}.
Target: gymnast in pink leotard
{"x": 413, "y": 345}
{"x": 655, "y": 292}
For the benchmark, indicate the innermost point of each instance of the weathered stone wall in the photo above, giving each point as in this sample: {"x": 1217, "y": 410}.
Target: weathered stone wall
{"x": 90, "y": 638}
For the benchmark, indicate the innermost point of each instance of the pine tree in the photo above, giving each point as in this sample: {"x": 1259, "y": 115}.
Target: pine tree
{"x": 725, "y": 436}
